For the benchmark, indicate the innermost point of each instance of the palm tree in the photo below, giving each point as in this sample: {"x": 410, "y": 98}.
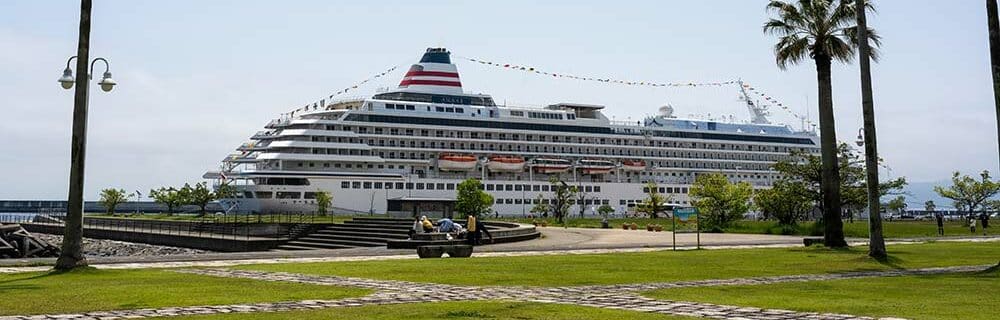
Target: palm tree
{"x": 822, "y": 30}
{"x": 876, "y": 242}
{"x": 994, "y": 35}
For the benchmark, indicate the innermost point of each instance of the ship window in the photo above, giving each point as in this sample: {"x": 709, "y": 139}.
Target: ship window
{"x": 517, "y": 187}
{"x": 288, "y": 195}
{"x": 439, "y": 109}
{"x": 597, "y": 188}
{"x": 451, "y": 186}
{"x": 459, "y": 110}
{"x": 430, "y": 186}
{"x": 399, "y": 185}
{"x": 409, "y": 186}
{"x": 449, "y": 109}
{"x": 309, "y": 195}
{"x": 263, "y": 194}
{"x": 545, "y": 188}
{"x": 345, "y": 184}
{"x": 489, "y": 187}
{"x": 508, "y": 201}
{"x": 509, "y": 187}
{"x": 388, "y": 185}
{"x": 420, "y": 186}
{"x": 356, "y": 185}
{"x": 588, "y": 189}
{"x": 536, "y": 188}
{"x": 440, "y": 186}
{"x": 517, "y": 201}
{"x": 368, "y": 185}
{"x": 517, "y": 113}
{"x": 499, "y": 201}
{"x": 410, "y": 107}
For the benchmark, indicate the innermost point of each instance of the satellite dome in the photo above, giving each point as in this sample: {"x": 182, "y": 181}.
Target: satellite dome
{"x": 667, "y": 111}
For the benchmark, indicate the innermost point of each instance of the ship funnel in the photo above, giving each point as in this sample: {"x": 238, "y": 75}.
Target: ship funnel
{"x": 433, "y": 74}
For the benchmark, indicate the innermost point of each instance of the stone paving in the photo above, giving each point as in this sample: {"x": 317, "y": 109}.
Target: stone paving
{"x": 623, "y": 297}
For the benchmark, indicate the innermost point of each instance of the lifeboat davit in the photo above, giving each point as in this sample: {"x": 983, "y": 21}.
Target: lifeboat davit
{"x": 551, "y": 165}
{"x": 456, "y": 162}
{"x": 633, "y": 165}
{"x": 588, "y": 166}
{"x": 505, "y": 164}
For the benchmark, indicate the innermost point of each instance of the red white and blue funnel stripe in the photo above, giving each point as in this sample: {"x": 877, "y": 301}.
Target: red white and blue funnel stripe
{"x": 433, "y": 74}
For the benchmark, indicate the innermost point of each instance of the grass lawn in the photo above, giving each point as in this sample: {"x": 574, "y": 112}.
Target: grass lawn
{"x": 92, "y": 290}
{"x": 952, "y": 296}
{"x": 859, "y": 229}
{"x": 559, "y": 270}
{"x": 453, "y": 310}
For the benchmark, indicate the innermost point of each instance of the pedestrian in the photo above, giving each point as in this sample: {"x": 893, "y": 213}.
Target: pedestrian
{"x": 985, "y": 219}
{"x": 972, "y": 224}
{"x": 476, "y": 230}
{"x": 940, "y": 223}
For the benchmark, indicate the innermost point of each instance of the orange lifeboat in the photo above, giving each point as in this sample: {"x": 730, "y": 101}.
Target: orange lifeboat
{"x": 633, "y": 165}
{"x": 550, "y": 165}
{"x": 588, "y": 166}
{"x": 505, "y": 164}
{"x": 456, "y": 162}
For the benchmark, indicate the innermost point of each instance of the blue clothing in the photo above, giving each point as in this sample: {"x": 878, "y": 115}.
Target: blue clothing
{"x": 446, "y": 225}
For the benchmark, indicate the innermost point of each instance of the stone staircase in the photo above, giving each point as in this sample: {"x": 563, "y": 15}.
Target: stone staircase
{"x": 358, "y": 232}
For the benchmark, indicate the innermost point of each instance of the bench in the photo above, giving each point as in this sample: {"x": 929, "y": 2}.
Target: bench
{"x": 809, "y": 241}
{"x": 453, "y": 250}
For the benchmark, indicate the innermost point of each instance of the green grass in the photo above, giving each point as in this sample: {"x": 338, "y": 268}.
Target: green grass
{"x": 86, "y": 290}
{"x": 859, "y": 229}
{"x": 453, "y": 310}
{"x": 559, "y": 270}
{"x": 596, "y": 222}
{"x": 951, "y": 296}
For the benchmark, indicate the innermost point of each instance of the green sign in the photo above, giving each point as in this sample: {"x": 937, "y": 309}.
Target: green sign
{"x": 685, "y": 213}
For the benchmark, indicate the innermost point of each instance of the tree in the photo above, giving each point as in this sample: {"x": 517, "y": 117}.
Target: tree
{"x": 470, "y": 199}
{"x": 581, "y": 200}
{"x": 111, "y": 198}
{"x": 719, "y": 201}
{"x": 655, "y": 202}
{"x": 994, "y": 35}
{"x": 822, "y": 30}
{"x": 562, "y": 193}
{"x": 201, "y": 196}
{"x": 930, "y": 206}
{"x": 540, "y": 208}
{"x": 968, "y": 193}
{"x": 323, "y": 200}
{"x": 604, "y": 210}
{"x": 897, "y": 204}
{"x": 786, "y": 201}
{"x": 807, "y": 168}
{"x": 168, "y": 196}
{"x": 876, "y": 242}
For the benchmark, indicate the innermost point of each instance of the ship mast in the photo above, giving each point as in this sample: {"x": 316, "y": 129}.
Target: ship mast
{"x": 758, "y": 113}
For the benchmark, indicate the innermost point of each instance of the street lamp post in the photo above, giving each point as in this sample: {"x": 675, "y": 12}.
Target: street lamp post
{"x": 71, "y": 255}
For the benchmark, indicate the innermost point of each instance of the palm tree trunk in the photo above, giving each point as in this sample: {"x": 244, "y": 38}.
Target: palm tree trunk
{"x": 833, "y": 235}
{"x": 71, "y": 255}
{"x": 876, "y": 247}
{"x": 994, "y": 35}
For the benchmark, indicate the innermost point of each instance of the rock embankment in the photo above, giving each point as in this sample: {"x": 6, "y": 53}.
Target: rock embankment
{"x": 112, "y": 248}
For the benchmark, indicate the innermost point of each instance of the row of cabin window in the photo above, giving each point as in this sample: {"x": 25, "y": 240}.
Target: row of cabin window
{"x": 400, "y": 106}
{"x": 449, "y": 109}
{"x": 680, "y": 190}
{"x": 396, "y": 185}
{"x": 535, "y": 188}
{"x": 549, "y": 201}
{"x": 571, "y": 139}
{"x": 349, "y": 166}
{"x": 284, "y": 195}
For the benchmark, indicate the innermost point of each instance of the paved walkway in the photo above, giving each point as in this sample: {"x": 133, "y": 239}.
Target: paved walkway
{"x": 624, "y": 297}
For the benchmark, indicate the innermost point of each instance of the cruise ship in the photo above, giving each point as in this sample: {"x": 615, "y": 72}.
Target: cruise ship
{"x": 419, "y": 140}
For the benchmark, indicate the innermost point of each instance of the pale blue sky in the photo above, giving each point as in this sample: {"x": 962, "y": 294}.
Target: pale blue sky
{"x": 198, "y": 77}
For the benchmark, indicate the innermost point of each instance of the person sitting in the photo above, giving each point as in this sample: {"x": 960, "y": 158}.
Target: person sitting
{"x": 446, "y": 225}
{"x": 417, "y": 228}
{"x": 427, "y": 225}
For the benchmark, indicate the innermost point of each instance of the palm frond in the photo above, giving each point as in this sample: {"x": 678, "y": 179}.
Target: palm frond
{"x": 788, "y": 13}
{"x": 874, "y": 40}
{"x": 836, "y": 48}
{"x": 791, "y": 49}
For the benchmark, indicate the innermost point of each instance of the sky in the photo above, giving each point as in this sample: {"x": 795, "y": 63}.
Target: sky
{"x": 197, "y": 78}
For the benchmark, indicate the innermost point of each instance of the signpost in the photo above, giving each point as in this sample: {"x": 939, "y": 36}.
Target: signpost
{"x": 685, "y": 214}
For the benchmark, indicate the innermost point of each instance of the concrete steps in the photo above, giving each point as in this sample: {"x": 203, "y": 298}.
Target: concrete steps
{"x": 355, "y": 233}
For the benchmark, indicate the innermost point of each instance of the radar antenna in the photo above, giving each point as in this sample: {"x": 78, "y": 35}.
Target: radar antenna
{"x": 758, "y": 113}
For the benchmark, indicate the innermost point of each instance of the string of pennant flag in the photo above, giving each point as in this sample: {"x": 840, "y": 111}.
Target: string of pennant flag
{"x": 530, "y": 69}
{"x": 322, "y": 102}
{"x": 767, "y": 100}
